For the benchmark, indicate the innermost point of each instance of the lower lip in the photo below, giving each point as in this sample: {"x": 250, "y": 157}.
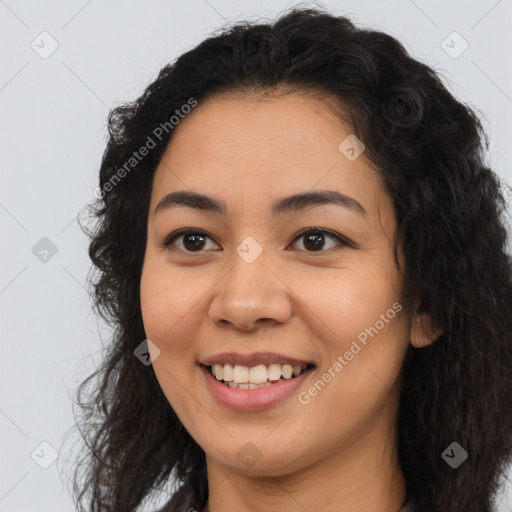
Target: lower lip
{"x": 252, "y": 399}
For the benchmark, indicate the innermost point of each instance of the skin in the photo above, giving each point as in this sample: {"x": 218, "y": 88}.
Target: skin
{"x": 337, "y": 452}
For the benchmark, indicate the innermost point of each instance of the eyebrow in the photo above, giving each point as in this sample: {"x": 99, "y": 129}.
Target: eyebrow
{"x": 293, "y": 203}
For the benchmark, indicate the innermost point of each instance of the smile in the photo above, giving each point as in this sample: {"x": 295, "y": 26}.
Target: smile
{"x": 259, "y": 387}
{"x": 255, "y": 377}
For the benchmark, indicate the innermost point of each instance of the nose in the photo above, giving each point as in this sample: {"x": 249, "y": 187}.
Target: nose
{"x": 249, "y": 295}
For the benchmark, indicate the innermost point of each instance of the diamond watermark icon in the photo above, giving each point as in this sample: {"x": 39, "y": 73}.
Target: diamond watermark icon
{"x": 454, "y": 45}
{"x": 44, "y": 455}
{"x": 249, "y": 249}
{"x": 147, "y": 352}
{"x": 44, "y": 45}
{"x": 351, "y": 147}
{"x": 454, "y": 455}
{"x": 249, "y": 455}
{"x": 44, "y": 250}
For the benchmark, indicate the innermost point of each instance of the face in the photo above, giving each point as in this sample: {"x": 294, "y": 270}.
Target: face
{"x": 262, "y": 281}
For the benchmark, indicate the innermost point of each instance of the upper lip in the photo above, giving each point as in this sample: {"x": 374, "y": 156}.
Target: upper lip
{"x": 253, "y": 359}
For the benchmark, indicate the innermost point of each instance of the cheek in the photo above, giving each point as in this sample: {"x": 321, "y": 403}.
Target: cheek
{"x": 166, "y": 308}
{"x": 362, "y": 322}
{"x": 156, "y": 303}
{"x": 349, "y": 300}
{"x": 167, "y": 302}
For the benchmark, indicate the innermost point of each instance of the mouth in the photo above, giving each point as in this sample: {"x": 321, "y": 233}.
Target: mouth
{"x": 258, "y": 376}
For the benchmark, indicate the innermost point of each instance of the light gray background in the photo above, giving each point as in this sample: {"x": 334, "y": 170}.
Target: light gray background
{"x": 52, "y": 134}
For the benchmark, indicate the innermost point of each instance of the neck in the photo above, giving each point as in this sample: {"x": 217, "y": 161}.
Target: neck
{"x": 363, "y": 476}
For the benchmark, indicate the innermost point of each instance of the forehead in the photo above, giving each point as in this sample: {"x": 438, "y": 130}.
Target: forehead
{"x": 245, "y": 127}
{"x": 266, "y": 147}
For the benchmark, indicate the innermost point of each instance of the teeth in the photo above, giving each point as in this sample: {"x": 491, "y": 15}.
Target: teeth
{"x": 218, "y": 371}
{"x": 240, "y": 374}
{"x": 258, "y": 374}
{"x": 287, "y": 371}
{"x": 228, "y": 372}
{"x": 246, "y": 385}
{"x": 244, "y": 377}
{"x": 274, "y": 372}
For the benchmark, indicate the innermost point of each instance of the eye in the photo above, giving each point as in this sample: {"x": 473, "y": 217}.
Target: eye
{"x": 194, "y": 240}
{"x": 314, "y": 239}
{"x": 191, "y": 241}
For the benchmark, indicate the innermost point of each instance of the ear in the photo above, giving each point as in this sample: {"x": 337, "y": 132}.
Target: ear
{"x": 423, "y": 332}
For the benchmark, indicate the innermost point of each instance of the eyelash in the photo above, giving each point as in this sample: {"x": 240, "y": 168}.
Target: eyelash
{"x": 343, "y": 242}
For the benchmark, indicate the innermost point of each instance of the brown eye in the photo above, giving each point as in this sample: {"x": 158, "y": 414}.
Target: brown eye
{"x": 191, "y": 241}
{"x": 315, "y": 240}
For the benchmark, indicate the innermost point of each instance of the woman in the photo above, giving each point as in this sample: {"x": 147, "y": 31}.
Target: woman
{"x": 297, "y": 229}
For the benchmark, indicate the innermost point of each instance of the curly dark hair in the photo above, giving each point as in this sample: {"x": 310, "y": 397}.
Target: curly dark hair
{"x": 429, "y": 150}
